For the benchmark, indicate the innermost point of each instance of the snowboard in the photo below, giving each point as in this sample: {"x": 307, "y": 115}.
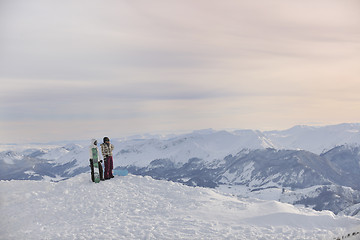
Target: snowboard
{"x": 95, "y": 166}
{"x": 120, "y": 172}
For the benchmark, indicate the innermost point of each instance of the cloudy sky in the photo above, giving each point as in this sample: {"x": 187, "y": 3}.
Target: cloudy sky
{"x": 77, "y": 69}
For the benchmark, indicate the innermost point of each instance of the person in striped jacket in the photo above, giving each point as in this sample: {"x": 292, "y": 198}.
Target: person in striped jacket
{"x": 106, "y": 150}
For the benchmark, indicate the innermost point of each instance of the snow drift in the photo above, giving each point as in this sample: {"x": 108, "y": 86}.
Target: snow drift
{"x": 135, "y": 207}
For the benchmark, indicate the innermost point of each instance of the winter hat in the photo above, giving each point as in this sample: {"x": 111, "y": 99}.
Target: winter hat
{"x": 106, "y": 139}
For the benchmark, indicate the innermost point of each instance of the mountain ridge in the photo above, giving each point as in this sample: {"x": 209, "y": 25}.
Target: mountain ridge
{"x": 246, "y": 161}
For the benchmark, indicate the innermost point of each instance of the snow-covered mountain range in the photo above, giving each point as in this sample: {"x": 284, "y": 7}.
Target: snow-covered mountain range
{"x": 318, "y": 167}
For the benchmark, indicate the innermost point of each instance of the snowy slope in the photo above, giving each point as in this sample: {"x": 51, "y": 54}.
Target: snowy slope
{"x": 316, "y": 139}
{"x": 135, "y": 207}
{"x": 207, "y": 145}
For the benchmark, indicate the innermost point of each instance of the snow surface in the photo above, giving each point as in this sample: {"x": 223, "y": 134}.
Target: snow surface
{"x": 135, "y": 207}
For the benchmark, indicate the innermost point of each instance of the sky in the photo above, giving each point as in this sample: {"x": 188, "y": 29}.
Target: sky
{"x": 79, "y": 69}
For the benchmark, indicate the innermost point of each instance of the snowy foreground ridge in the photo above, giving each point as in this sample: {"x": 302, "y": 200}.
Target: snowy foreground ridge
{"x": 135, "y": 207}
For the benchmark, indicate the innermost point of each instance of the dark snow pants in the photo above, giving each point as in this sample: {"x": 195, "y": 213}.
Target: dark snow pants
{"x": 108, "y": 167}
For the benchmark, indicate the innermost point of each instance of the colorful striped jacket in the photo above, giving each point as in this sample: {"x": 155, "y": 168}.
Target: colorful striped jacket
{"x": 106, "y": 150}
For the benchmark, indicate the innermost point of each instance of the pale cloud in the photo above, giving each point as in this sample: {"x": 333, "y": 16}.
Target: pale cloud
{"x": 172, "y": 65}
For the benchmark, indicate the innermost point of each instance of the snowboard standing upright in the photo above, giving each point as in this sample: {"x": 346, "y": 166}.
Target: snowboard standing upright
{"x": 95, "y": 165}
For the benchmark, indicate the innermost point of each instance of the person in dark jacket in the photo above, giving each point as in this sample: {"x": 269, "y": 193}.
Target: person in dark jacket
{"x": 106, "y": 150}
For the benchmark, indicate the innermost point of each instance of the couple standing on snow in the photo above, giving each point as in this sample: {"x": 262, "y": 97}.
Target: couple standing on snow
{"x": 106, "y": 150}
